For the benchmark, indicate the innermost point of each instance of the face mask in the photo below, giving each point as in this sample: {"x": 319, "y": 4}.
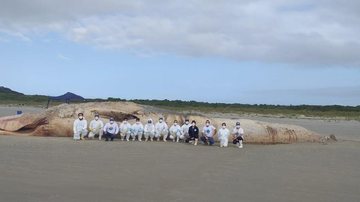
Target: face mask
{"x": 161, "y": 121}
{"x": 149, "y": 122}
{"x": 96, "y": 118}
{"x": 208, "y": 124}
{"x": 187, "y": 123}
{"x": 224, "y": 127}
{"x": 81, "y": 118}
{"x": 175, "y": 124}
{"x": 111, "y": 122}
{"x": 238, "y": 127}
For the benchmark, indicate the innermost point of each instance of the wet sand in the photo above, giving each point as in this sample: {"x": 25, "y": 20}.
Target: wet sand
{"x": 59, "y": 169}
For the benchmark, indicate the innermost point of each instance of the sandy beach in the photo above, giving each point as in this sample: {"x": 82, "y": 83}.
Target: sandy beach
{"x": 342, "y": 129}
{"x": 59, "y": 169}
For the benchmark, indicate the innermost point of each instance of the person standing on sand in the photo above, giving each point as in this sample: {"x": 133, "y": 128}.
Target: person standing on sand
{"x": 111, "y": 129}
{"x": 161, "y": 129}
{"x": 80, "y": 127}
{"x": 176, "y": 132}
{"x": 149, "y": 130}
{"x": 125, "y": 130}
{"x": 223, "y": 136}
{"x": 185, "y": 129}
{"x": 137, "y": 130}
{"x": 238, "y": 135}
{"x": 208, "y": 133}
{"x": 96, "y": 127}
{"x": 193, "y": 133}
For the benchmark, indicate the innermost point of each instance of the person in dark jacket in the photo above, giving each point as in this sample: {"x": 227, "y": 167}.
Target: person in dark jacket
{"x": 193, "y": 133}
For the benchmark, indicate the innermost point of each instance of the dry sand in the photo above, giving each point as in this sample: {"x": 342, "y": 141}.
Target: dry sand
{"x": 59, "y": 169}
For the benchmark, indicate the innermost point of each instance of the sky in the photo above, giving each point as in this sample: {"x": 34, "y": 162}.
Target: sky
{"x": 235, "y": 51}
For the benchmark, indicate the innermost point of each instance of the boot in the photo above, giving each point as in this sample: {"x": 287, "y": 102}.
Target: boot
{"x": 240, "y": 144}
{"x": 196, "y": 142}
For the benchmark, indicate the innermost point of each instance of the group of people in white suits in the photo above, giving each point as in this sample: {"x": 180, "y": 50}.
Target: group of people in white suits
{"x": 155, "y": 132}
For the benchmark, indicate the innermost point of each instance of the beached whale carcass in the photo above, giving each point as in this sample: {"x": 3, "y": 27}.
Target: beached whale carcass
{"x": 58, "y": 121}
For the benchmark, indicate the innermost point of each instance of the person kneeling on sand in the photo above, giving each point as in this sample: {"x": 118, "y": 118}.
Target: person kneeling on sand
{"x": 96, "y": 127}
{"x": 223, "y": 135}
{"x": 208, "y": 133}
{"x": 238, "y": 135}
{"x": 149, "y": 130}
{"x": 193, "y": 134}
{"x": 111, "y": 129}
{"x": 185, "y": 129}
{"x": 80, "y": 127}
{"x": 176, "y": 132}
{"x": 137, "y": 130}
{"x": 125, "y": 130}
{"x": 161, "y": 129}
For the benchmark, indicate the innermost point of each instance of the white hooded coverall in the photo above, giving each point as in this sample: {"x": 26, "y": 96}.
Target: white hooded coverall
{"x": 223, "y": 136}
{"x": 96, "y": 128}
{"x": 137, "y": 130}
{"x": 161, "y": 129}
{"x": 80, "y": 129}
{"x": 185, "y": 130}
{"x": 176, "y": 133}
{"x": 125, "y": 130}
{"x": 149, "y": 131}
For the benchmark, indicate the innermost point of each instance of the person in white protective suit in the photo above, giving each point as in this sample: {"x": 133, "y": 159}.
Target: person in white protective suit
{"x": 176, "y": 132}
{"x": 161, "y": 130}
{"x": 149, "y": 130}
{"x": 96, "y": 127}
{"x": 238, "y": 135}
{"x": 80, "y": 127}
{"x": 137, "y": 130}
{"x": 185, "y": 129}
{"x": 125, "y": 130}
{"x": 223, "y": 135}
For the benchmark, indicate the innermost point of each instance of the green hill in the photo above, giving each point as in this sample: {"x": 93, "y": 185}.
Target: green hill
{"x": 8, "y": 96}
{"x": 8, "y": 91}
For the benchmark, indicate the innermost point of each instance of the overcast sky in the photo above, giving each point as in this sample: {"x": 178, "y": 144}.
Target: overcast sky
{"x": 243, "y": 51}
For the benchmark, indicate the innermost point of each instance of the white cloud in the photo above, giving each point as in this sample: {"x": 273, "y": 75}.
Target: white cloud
{"x": 63, "y": 57}
{"x": 300, "y": 32}
{"x": 15, "y": 34}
